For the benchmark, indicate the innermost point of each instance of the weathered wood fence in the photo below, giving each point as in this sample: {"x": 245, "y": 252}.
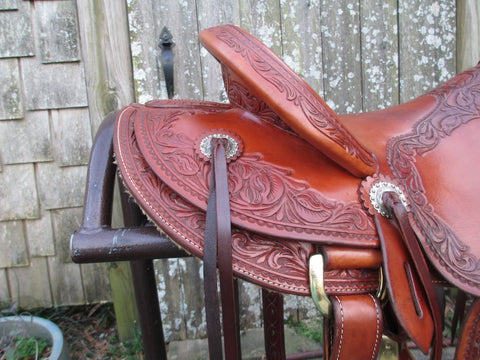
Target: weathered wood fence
{"x": 65, "y": 65}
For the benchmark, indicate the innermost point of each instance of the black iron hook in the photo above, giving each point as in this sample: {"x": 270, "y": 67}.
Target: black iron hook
{"x": 166, "y": 44}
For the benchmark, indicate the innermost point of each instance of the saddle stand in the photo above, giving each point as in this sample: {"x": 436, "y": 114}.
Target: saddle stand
{"x": 369, "y": 214}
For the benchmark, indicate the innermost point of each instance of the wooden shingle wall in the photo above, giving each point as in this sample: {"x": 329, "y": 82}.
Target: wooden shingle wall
{"x": 65, "y": 64}
{"x": 45, "y": 140}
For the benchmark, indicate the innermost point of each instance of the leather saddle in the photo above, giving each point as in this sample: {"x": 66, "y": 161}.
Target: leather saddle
{"x": 317, "y": 204}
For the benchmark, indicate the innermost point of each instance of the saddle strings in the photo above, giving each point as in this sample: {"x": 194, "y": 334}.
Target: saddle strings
{"x": 400, "y": 214}
{"x": 218, "y": 250}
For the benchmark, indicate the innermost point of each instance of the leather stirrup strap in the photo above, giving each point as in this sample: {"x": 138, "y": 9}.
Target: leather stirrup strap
{"x": 218, "y": 249}
{"x": 355, "y": 329}
{"x": 214, "y": 333}
{"x": 405, "y": 289}
{"x": 468, "y": 347}
{"x": 393, "y": 202}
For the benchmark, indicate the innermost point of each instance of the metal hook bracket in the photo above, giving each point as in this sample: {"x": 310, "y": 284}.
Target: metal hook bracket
{"x": 166, "y": 44}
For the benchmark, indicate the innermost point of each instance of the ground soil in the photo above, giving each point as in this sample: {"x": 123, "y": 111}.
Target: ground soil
{"x": 90, "y": 332}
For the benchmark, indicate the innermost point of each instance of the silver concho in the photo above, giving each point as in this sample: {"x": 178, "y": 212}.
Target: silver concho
{"x": 376, "y": 193}
{"x": 232, "y": 150}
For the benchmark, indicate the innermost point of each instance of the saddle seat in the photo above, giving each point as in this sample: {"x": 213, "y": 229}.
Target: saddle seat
{"x": 303, "y": 180}
{"x": 427, "y": 145}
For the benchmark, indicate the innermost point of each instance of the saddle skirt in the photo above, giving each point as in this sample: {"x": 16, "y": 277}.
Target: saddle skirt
{"x": 302, "y": 177}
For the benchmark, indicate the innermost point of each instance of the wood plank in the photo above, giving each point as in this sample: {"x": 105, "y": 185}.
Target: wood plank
{"x": 29, "y": 284}
{"x": 145, "y": 28}
{"x": 18, "y": 193}
{"x": 121, "y": 283}
{"x": 16, "y": 37}
{"x": 180, "y": 17}
{"x": 66, "y": 283}
{"x": 468, "y": 34}
{"x": 32, "y": 140}
{"x": 170, "y": 295}
{"x": 65, "y": 276}
{"x": 262, "y": 18}
{"x": 96, "y": 282}
{"x": 123, "y": 297}
{"x": 104, "y": 39}
{"x": 65, "y": 83}
{"x": 427, "y": 45}
{"x": 40, "y": 236}
{"x": 193, "y": 305}
{"x": 13, "y": 244}
{"x": 60, "y": 187}
{"x": 379, "y": 40}
{"x": 342, "y": 55}
{"x": 5, "y": 297}
{"x": 301, "y": 41}
{"x": 105, "y": 44}
{"x": 212, "y": 13}
{"x": 12, "y": 104}
{"x": 71, "y": 136}
{"x": 9, "y": 4}
{"x": 57, "y": 31}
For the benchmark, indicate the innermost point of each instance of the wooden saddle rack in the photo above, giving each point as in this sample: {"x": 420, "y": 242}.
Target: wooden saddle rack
{"x": 367, "y": 213}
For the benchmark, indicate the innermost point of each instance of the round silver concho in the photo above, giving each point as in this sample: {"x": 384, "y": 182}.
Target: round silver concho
{"x": 376, "y": 196}
{"x": 232, "y": 150}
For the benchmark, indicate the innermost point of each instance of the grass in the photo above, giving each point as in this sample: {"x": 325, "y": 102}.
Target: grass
{"x": 90, "y": 332}
{"x": 310, "y": 328}
{"x": 19, "y": 347}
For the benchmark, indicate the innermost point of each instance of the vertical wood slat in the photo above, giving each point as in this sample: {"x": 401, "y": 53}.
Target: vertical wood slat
{"x": 341, "y": 55}
{"x": 379, "y": 39}
{"x": 468, "y": 34}
{"x": 262, "y": 18}
{"x": 106, "y": 55}
{"x": 212, "y": 13}
{"x": 427, "y": 45}
{"x": 144, "y": 24}
{"x": 181, "y": 19}
{"x": 105, "y": 44}
{"x": 301, "y": 40}
{"x": 5, "y": 296}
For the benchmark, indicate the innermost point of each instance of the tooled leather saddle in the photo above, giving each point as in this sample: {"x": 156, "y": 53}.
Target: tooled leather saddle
{"x": 277, "y": 189}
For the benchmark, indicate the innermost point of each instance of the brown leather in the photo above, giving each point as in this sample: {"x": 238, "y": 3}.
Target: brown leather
{"x": 340, "y": 257}
{"x": 404, "y": 288}
{"x": 218, "y": 250}
{"x": 413, "y": 143}
{"x": 468, "y": 347}
{"x": 301, "y": 179}
{"x": 357, "y": 328}
{"x": 400, "y": 215}
{"x": 249, "y": 63}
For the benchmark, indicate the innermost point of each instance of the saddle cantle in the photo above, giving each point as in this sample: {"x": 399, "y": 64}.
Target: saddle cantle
{"x": 304, "y": 180}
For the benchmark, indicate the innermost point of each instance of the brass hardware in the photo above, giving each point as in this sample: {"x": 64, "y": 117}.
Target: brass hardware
{"x": 382, "y": 289}
{"x": 317, "y": 286}
{"x": 388, "y": 349}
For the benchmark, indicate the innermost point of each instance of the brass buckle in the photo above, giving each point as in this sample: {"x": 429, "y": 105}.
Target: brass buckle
{"x": 382, "y": 289}
{"x": 317, "y": 285}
